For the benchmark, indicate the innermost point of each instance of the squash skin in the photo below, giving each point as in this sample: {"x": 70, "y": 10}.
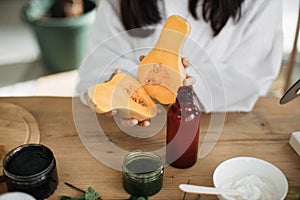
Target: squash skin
{"x": 123, "y": 93}
{"x": 161, "y": 71}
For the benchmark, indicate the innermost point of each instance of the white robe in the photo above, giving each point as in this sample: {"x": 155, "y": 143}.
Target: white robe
{"x": 231, "y": 70}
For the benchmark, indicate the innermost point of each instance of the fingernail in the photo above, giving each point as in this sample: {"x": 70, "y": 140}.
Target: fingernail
{"x": 141, "y": 57}
{"x": 113, "y": 112}
{"x": 185, "y": 62}
{"x": 188, "y": 82}
{"x": 146, "y": 123}
{"x": 109, "y": 114}
{"x": 132, "y": 122}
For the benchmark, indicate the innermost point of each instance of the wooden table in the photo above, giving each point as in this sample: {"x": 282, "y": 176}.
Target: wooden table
{"x": 262, "y": 133}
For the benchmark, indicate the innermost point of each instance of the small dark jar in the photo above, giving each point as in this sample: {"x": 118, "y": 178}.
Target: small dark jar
{"x": 31, "y": 168}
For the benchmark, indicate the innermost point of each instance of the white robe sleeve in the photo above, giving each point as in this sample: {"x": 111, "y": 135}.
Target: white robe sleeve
{"x": 109, "y": 49}
{"x": 237, "y": 75}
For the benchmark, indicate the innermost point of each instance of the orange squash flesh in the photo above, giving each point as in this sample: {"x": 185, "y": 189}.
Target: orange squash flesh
{"x": 125, "y": 94}
{"x": 161, "y": 71}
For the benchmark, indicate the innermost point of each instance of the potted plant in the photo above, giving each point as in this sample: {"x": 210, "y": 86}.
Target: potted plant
{"x": 61, "y": 28}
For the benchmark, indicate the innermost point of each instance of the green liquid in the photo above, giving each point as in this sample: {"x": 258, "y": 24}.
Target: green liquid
{"x": 144, "y": 178}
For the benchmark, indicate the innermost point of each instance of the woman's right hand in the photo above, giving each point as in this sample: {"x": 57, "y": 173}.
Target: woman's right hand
{"x": 127, "y": 122}
{"x": 189, "y": 80}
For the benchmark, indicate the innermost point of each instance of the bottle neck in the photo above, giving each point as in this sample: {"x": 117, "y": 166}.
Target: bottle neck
{"x": 185, "y": 95}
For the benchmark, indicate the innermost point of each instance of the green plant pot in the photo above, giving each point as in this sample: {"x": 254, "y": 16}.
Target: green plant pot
{"x": 62, "y": 41}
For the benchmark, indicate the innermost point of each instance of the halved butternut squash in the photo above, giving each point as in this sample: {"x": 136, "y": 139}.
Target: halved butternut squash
{"x": 125, "y": 94}
{"x": 161, "y": 71}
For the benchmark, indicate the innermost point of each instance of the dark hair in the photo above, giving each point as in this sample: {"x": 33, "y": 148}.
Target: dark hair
{"x": 138, "y": 13}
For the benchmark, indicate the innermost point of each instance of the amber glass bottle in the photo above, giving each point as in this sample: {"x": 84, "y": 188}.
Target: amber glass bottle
{"x": 183, "y": 125}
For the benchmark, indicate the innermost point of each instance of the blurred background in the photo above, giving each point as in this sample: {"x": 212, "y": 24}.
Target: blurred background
{"x": 20, "y": 56}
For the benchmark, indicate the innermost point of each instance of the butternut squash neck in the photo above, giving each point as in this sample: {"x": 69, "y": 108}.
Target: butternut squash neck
{"x": 173, "y": 35}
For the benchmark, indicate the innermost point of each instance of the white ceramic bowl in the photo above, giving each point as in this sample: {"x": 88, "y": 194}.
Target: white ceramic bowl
{"x": 236, "y": 168}
{"x": 16, "y": 196}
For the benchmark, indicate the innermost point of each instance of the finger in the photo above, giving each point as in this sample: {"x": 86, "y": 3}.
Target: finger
{"x": 111, "y": 113}
{"x": 129, "y": 122}
{"x": 158, "y": 110}
{"x": 189, "y": 81}
{"x": 141, "y": 57}
{"x": 117, "y": 71}
{"x": 144, "y": 123}
{"x": 185, "y": 62}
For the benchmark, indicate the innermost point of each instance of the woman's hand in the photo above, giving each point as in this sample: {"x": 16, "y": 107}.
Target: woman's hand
{"x": 127, "y": 122}
{"x": 188, "y": 81}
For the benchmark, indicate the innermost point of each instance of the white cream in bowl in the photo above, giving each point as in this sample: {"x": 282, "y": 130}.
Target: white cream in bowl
{"x": 254, "y": 178}
{"x": 252, "y": 187}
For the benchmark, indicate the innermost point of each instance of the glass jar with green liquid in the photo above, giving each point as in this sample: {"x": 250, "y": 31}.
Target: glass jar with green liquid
{"x": 142, "y": 174}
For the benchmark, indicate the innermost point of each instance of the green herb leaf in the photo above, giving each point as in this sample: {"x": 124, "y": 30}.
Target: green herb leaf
{"x": 90, "y": 194}
{"x": 68, "y": 198}
{"x": 81, "y": 197}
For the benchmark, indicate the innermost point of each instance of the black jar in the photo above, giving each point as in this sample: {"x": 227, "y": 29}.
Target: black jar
{"x": 31, "y": 168}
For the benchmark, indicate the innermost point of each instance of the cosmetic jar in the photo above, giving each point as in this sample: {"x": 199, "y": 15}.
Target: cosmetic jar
{"x": 142, "y": 174}
{"x": 31, "y": 168}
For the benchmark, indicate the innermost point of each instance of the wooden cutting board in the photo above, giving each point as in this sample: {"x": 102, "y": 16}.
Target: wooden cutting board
{"x": 17, "y": 127}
